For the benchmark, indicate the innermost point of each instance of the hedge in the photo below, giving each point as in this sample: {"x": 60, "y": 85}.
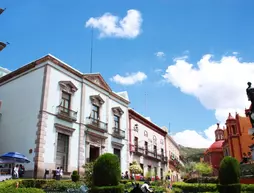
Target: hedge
{"x": 108, "y": 189}
{"x": 21, "y": 190}
{"x": 179, "y": 187}
{"x": 211, "y": 180}
{"x": 194, "y": 187}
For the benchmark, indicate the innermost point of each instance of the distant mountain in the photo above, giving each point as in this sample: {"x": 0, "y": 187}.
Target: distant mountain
{"x": 191, "y": 154}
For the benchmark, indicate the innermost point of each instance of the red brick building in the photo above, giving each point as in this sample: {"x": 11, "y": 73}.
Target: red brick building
{"x": 214, "y": 154}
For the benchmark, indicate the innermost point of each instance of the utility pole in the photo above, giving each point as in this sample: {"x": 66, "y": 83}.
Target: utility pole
{"x": 91, "y": 56}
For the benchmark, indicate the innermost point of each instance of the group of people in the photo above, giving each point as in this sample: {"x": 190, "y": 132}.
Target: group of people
{"x": 18, "y": 171}
{"x": 58, "y": 174}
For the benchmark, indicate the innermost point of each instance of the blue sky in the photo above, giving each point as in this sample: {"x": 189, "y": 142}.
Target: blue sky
{"x": 183, "y": 32}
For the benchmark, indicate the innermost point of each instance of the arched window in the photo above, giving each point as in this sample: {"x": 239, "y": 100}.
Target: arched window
{"x": 136, "y": 127}
{"x": 145, "y": 133}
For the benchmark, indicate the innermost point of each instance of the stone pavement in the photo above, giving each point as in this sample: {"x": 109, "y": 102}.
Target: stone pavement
{"x": 4, "y": 177}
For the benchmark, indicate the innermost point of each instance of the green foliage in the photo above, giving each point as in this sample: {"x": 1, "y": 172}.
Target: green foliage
{"x": 232, "y": 188}
{"x": 88, "y": 178}
{"x": 75, "y": 176}
{"x": 247, "y": 187}
{"x": 106, "y": 170}
{"x": 203, "y": 168}
{"x": 211, "y": 180}
{"x": 21, "y": 190}
{"x": 191, "y": 154}
{"x": 229, "y": 172}
{"x": 108, "y": 189}
{"x": 135, "y": 168}
{"x": 195, "y": 187}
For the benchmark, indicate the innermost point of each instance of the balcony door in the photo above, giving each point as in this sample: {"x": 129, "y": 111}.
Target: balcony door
{"x": 136, "y": 143}
{"x": 65, "y": 102}
{"x": 62, "y": 151}
{"x": 117, "y": 152}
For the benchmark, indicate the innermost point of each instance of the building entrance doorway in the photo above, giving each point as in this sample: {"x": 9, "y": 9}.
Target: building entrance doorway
{"x": 117, "y": 152}
{"x": 62, "y": 151}
{"x": 94, "y": 153}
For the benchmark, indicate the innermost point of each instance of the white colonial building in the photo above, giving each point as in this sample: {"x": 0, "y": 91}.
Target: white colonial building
{"x": 147, "y": 145}
{"x": 173, "y": 154}
{"x": 58, "y": 116}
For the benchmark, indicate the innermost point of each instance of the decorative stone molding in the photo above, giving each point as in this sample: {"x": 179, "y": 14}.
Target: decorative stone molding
{"x": 97, "y": 100}
{"x": 68, "y": 86}
{"x": 117, "y": 145}
{"x": 117, "y": 111}
{"x": 64, "y": 129}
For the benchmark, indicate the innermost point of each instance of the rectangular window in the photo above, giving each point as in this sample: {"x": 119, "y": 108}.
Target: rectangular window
{"x": 136, "y": 143}
{"x": 234, "y": 129}
{"x": 66, "y": 102}
{"x": 162, "y": 152}
{"x": 95, "y": 112}
{"x": 146, "y": 147}
{"x": 155, "y": 150}
{"x": 117, "y": 121}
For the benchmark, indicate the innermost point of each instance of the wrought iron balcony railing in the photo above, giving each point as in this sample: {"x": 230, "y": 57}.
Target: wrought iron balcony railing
{"x": 97, "y": 124}
{"x": 66, "y": 114}
{"x": 118, "y": 133}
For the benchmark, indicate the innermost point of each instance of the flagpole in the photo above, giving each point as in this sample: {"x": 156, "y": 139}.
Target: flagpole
{"x": 91, "y": 56}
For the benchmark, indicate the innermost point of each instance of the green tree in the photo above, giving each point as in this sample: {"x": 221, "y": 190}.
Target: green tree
{"x": 106, "y": 170}
{"x": 203, "y": 168}
{"x": 135, "y": 168}
{"x": 88, "y": 173}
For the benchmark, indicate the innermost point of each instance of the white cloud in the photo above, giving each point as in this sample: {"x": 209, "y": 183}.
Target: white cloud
{"x": 191, "y": 138}
{"x": 112, "y": 26}
{"x": 158, "y": 71}
{"x": 129, "y": 79}
{"x": 219, "y": 85}
{"x": 160, "y": 54}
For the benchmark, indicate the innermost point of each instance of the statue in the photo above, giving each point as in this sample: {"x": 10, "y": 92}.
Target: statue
{"x": 250, "y": 94}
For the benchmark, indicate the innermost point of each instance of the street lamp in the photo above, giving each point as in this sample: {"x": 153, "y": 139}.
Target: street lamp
{"x": 1, "y": 10}
{"x": 3, "y": 45}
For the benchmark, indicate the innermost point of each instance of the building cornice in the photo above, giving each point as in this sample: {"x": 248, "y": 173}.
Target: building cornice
{"x": 134, "y": 115}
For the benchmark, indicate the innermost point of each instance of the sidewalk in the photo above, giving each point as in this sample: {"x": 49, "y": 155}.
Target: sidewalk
{"x": 2, "y": 178}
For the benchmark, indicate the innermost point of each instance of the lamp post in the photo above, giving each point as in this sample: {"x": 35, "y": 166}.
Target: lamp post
{"x": 2, "y": 10}
{"x": 250, "y": 114}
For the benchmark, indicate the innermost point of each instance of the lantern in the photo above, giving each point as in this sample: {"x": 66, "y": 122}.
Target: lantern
{"x": 1, "y": 11}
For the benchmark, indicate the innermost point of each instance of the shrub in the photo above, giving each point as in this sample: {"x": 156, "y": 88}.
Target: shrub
{"x": 108, "y": 189}
{"x": 75, "y": 176}
{"x": 247, "y": 187}
{"x": 229, "y": 176}
{"x": 135, "y": 168}
{"x": 229, "y": 188}
{"x": 229, "y": 172}
{"x": 88, "y": 173}
{"x": 195, "y": 187}
{"x": 21, "y": 190}
{"x": 106, "y": 170}
{"x": 211, "y": 180}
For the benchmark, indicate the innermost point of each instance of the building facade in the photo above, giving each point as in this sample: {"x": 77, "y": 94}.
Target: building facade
{"x": 147, "y": 143}
{"x": 214, "y": 154}
{"x": 237, "y": 139}
{"x": 58, "y": 116}
{"x": 174, "y": 162}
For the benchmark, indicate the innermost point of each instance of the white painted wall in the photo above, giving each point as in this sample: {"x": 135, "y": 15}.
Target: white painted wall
{"x": 142, "y": 138}
{"x": 106, "y": 116}
{"x": 21, "y": 99}
{"x": 54, "y": 100}
{"x": 123, "y": 126}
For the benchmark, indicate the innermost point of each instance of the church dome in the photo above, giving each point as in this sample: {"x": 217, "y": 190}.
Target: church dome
{"x": 217, "y": 145}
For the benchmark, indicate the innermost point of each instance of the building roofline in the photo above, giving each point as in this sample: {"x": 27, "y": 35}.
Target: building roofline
{"x": 133, "y": 113}
{"x": 58, "y": 62}
{"x": 174, "y": 142}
